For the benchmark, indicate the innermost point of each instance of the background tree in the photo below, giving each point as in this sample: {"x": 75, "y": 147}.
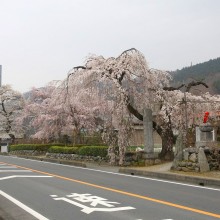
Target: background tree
{"x": 40, "y": 119}
{"x": 133, "y": 85}
{"x": 50, "y": 112}
{"x": 11, "y": 104}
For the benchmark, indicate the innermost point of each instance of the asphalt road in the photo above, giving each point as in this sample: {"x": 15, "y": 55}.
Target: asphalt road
{"x": 40, "y": 190}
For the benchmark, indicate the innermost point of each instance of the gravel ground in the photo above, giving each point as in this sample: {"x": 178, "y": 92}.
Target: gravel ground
{"x": 165, "y": 167}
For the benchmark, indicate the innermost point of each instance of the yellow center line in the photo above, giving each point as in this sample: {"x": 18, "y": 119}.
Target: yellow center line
{"x": 124, "y": 193}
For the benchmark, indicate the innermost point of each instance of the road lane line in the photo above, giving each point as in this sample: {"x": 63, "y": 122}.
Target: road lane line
{"x": 126, "y": 193}
{"x": 17, "y": 171}
{"x": 21, "y": 176}
{"x": 127, "y": 175}
{"x": 23, "y": 206}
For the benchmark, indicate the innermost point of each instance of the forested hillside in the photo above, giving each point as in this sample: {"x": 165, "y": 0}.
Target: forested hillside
{"x": 208, "y": 71}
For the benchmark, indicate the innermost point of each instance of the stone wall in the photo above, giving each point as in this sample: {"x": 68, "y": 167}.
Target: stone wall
{"x": 76, "y": 157}
{"x": 72, "y": 157}
{"x": 200, "y": 159}
{"x": 27, "y": 152}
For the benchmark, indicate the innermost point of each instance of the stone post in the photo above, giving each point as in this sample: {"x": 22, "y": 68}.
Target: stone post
{"x": 203, "y": 163}
{"x": 178, "y": 154}
{"x": 148, "y": 134}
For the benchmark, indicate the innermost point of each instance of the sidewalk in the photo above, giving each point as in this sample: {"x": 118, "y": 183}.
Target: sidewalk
{"x": 163, "y": 171}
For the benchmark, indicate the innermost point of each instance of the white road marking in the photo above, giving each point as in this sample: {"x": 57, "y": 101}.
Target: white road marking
{"x": 23, "y": 206}
{"x": 121, "y": 174}
{"x": 93, "y": 202}
{"x": 7, "y": 167}
{"x": 4, "y": 171}
{"x": 21, "y": 176}
{"x": 53, "y": 196}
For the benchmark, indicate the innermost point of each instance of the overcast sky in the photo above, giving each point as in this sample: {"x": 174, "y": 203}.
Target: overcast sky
{"x": 41, "y": 40}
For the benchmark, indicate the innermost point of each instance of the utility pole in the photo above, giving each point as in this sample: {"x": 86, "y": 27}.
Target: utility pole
{"x": 186, "y": 118}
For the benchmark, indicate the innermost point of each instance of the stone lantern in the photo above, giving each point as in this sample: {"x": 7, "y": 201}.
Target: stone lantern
{"x": 206, "y": 127}
{"x": 205, "y": 133}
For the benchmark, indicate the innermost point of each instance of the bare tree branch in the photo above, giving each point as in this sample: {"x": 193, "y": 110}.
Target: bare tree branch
{"x": 126, "y": 51}
{"x": 134, "y": 112}
{"x": 79, "y": 67}
{"x": 173, "y": 88}
{"x": 188, "y": 86}
{"x": 193, "y": 83}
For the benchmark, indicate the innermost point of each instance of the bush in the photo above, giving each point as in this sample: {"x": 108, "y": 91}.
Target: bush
{"x": 63, "y": 150}
{"x": 33, "y": 147}
{"x": 95, "y": 151}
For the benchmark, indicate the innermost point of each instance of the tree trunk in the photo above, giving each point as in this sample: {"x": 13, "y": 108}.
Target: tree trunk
{"x": 112, "y": 155}
{"x": 168, "y": 142}
{"x": 122, "y": 150}
{"x": 167, "y": 136}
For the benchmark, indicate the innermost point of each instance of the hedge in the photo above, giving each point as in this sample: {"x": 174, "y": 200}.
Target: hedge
{"x": 101, "y": 151}
{"x": 95, "y": 151}
{"x": 38, "y": 147}
{"x": 34, "y": 147}
{"x": 63, "y": 150}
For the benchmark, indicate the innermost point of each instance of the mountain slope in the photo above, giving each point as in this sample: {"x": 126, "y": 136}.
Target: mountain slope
{"x": 208, "y": 72}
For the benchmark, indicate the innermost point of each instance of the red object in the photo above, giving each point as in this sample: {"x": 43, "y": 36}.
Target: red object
{"x": 206, "y": 117}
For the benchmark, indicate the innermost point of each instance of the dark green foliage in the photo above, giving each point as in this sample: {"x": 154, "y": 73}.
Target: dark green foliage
{"x": 216, "y": 86}
{"x": 83, "y": 145}
{"x": 59, "y": 148}
{"x": 101, "y": 151}
{"x": 34, "y": 147}
{"x": 39, "y": 147}
{"x": 198, "y": 71}
{"x": 63, "y": 150}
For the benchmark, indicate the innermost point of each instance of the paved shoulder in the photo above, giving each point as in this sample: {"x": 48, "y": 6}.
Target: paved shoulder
{"x": 10, "y": 211}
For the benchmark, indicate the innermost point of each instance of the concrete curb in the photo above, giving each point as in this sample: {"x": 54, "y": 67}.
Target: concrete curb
{"x": 66, "y": 162}
{"x": 160, "y": 175}
{"x": 172, "y": 176}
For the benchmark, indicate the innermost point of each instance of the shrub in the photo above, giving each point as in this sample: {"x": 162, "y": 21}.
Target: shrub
{"x": 63, "y": 150}
{"x": 95, "y": 151}
{"x": 33, "y": 147}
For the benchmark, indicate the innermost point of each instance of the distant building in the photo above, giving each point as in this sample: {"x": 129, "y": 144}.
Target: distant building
{"x": 5, "y": 139}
